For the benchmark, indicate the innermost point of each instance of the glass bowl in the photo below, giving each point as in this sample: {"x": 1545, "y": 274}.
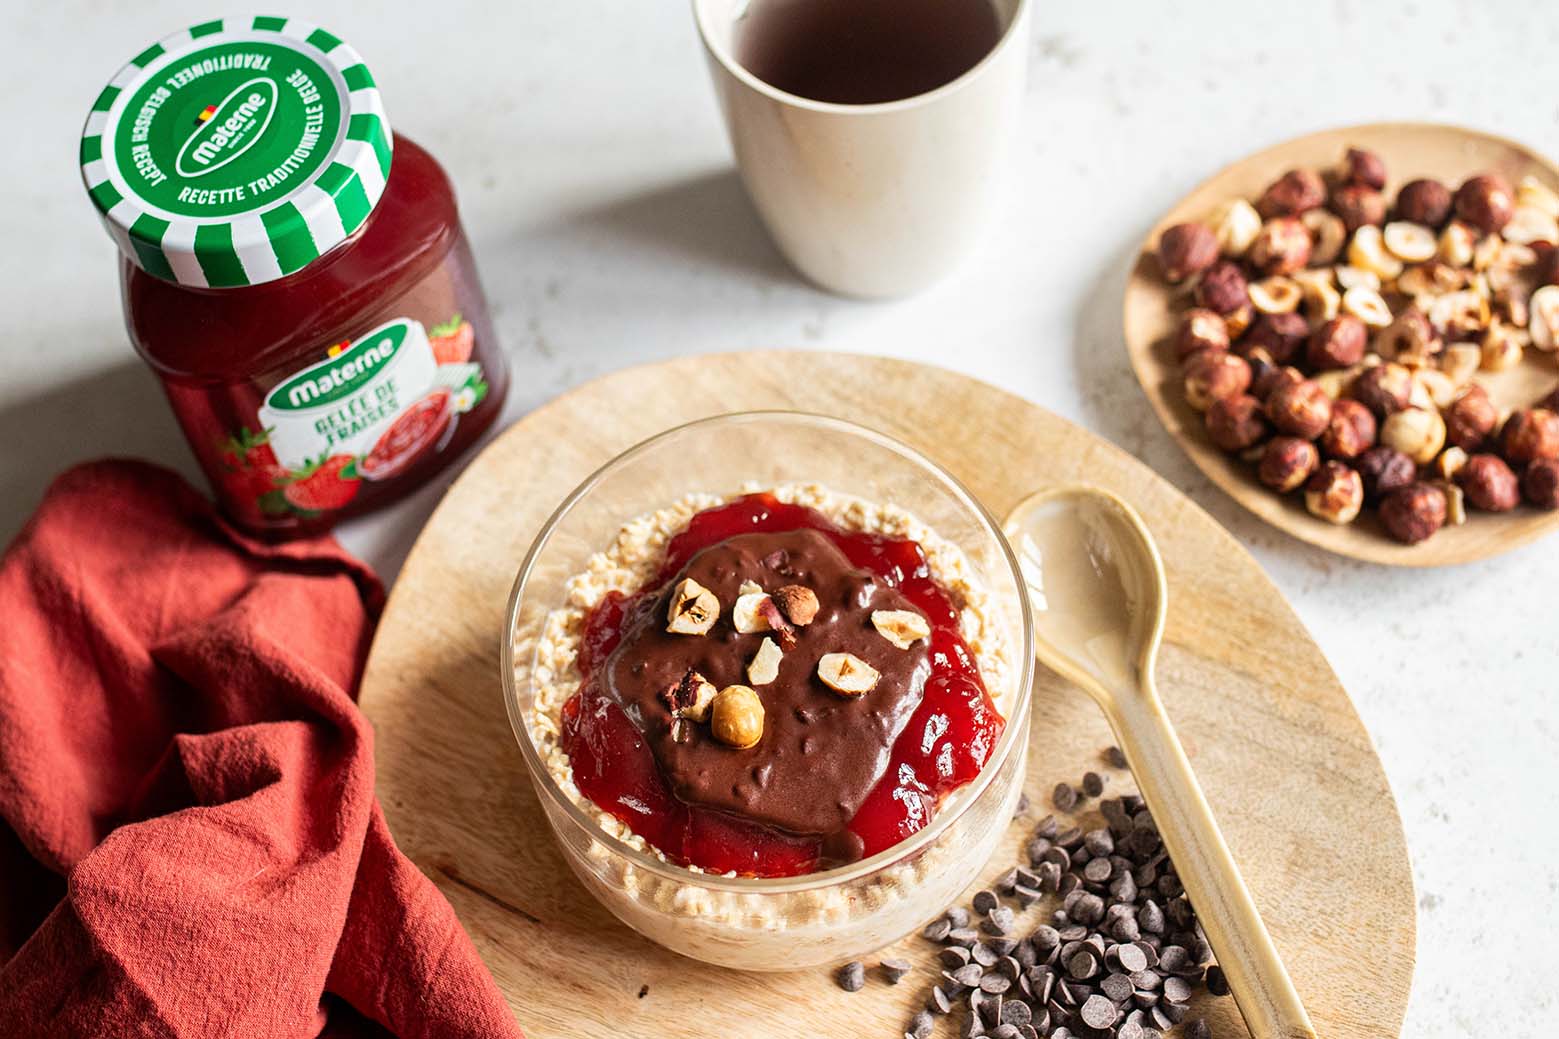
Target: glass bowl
{"x": 793, "y": 922}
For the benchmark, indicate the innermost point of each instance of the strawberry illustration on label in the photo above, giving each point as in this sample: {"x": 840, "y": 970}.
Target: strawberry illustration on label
{"x": 330, "y": 483}
{"x": 452, "y": 341}
{"x": 250, "y": 472}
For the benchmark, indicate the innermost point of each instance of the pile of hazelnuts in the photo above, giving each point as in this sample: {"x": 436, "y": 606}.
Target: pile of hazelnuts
{"x": 1331, "y": 340}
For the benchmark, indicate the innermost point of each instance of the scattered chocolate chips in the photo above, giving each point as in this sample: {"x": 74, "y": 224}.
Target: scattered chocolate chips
{"x": 1119, "y": 956}
{"x": 893, "y": 970}
{"x": 852, "y": 976}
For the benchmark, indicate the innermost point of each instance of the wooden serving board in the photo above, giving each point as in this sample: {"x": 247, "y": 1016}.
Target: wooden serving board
{"x": 1151, "y": 314}
{"x": 1282, "y": 755}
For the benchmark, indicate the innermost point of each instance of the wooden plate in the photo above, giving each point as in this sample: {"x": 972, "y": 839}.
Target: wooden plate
{"x": 1410, "y": 150}
{"x": 1285, "y": 761}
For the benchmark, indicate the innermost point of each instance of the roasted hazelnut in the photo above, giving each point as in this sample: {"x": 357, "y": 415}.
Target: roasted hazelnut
{"x": 1280, "y": 335}
{"x": 1335, "y": 493}
{"x": 1282, "y": 247}
{"x": 1338, "y": 343}
{"x": 1486, "y": 202}
{"x": 1214, "y": 374}
{"x": 1223, "y": 288}
{"x": 736, "y": 717}
{"x": 1529, "y": 435}
{"x": 1301, "y": 410}
{"x": 1238, "y": 320}
{"x": 1359, "y": 206}
{"x": 1328, "y": 235}
{"x": 1413, "y": 513}
{"x": 1286, "y": 463}
{"x": 1470, "y": 420}
{"x": 1186, "y": 249}
{"x": 1540, "y": 483}
{"x": 797, "y": 603}
{"x": 1351, "y": 432}
{"x": 1418, "y": 433}
{"x": 1273, "y": 379}
{"x": 1200, "y": 329}
{"x": 1363, "y": 167}
{"x": 1383, "y": 470}
{"x": 1291, "y": 194}
{"x": 1384, "y": 389}
{"x": 1409, "y": 335}
{"x": 1425, "y": 202}
{"x": 1489, "y": 484}
{"x": 1236, "y": 423}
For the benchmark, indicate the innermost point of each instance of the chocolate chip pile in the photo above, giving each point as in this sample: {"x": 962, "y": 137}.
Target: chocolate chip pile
{"x": 1119, "y": 959}
{"x": 1333, "y": 341}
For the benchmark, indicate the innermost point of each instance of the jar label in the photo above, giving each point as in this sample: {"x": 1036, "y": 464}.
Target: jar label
{"x": 367, "y": 411}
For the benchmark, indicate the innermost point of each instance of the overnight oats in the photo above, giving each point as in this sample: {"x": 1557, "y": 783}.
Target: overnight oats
{"x": 758, "y": 698}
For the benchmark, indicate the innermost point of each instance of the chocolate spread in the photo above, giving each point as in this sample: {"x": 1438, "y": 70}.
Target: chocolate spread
{"x": 821, "y": 752}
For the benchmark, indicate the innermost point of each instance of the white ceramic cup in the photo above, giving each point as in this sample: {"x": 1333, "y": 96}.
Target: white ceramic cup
{"x": 872, "y": 200}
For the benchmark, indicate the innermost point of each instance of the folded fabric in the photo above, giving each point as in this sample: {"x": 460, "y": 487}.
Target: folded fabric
{"x": 189, "y": 841}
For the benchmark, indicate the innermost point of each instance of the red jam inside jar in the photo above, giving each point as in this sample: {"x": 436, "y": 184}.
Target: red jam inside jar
{"x": 946, "y": 742}
{"x": 298, "y": 279}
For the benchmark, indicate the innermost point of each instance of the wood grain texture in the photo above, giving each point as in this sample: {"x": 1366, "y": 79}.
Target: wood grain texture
{"x": 1281, "y": 754}
{"x": 1410, "y": 150}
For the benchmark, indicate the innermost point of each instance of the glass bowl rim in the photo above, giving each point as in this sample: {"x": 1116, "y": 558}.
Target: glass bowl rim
{"x": 1012, "y": 733}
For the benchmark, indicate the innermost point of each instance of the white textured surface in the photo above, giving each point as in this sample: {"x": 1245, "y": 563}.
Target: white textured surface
{"x": 596, "y": 184}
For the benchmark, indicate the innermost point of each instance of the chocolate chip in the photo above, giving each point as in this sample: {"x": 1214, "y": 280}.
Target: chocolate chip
{"x": 1093, "y": 784}
{"x": 1172, "y": 958}
{"x": 1026, "y": 896}
{"x": 1117, "y": 986}
{"x": 973, "y": 1027}
{"x": 1064, "y": 797}
{"x": 968, "y": 975}
{"x": 1047, "y": 828}
{"x": 893, "y": 971}
{"x": 1023, "y": 806}
{"x": 1099, "y": 842}
{"x": 1017, "y": 1013}
{"x": 937, "y": 930}
{"x": 995, "y": 983}
{"x": 1045, "y": 938}
{"x": 1000, "y": 921}
{"x": 1114, "y": 757}
{"x": 1198, "y": 1029}
{"x": 1008, "y": 881}
{"x": 1083, "y": 964}
{"x": 958, "y": 916}
{"x": 1098, "y": 1012}
{"x": 1098, "y": 871}
{"x": 984, "y": 955}
{"x": 954, "y": 956}
{"x": 965, "y": 936}
{"x": 921, "y": 1025}
{"x": 939, "y": 1003}
{"x": 852, "y": 976}
{"x": 1176, "y": 990}
{"x": 1131, "y": 958}
{"x": 1006, "y": 1032}
{"x": 985, "y": 901}
{"x": 1150, "y": 917}
{"x": 1217, "y": 984}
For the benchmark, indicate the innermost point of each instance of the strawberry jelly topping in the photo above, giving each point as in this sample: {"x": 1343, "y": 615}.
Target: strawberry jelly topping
{"x": 943, "y": 746}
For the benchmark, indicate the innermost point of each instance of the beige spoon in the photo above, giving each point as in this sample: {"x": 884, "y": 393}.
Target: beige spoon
{"x": 1098, "y": 598}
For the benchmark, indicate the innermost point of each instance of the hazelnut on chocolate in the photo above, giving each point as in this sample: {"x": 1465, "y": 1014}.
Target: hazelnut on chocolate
{"x": 1286, "y": 463}
{"x": 1424, "y": 201}
{"x": 1351, "y": 431}
{"x": 693, "y": 609}
{"x": 903, "y": 628}
{"x": 846, "y": 673}
{"x": 1186, "y": 249}
{"x": 1236, "y": 423}
{"x": 690, "y": 697}
{"x": 1292, "y": 194}
{"x": 1301, "y": 409}
{"x": 798, "y": 603}
{"x": 1489, "y": 483}
{"x": 736, "y": 717}
{"x": 1338, "y": 343}
{"x": 1413, "y": 513}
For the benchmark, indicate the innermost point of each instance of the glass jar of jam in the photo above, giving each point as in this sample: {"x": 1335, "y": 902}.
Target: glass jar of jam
{"x": 298, "y": 279}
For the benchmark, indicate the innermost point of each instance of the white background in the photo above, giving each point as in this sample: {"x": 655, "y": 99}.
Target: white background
{"x": 597, "y": 187}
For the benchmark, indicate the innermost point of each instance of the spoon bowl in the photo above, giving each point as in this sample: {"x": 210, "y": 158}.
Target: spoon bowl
{"x": 1098, "y": 598}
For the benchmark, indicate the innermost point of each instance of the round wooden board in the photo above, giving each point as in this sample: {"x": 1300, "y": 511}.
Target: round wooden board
{"x": 1410, "y": 150}
{"x": 1285, "y": 762}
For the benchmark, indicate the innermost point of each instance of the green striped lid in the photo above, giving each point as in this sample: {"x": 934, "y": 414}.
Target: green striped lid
{"x": 236, "y": 151}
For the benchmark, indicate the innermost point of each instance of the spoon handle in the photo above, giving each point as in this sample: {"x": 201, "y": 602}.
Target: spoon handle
{"x": 1257, "y": 978}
